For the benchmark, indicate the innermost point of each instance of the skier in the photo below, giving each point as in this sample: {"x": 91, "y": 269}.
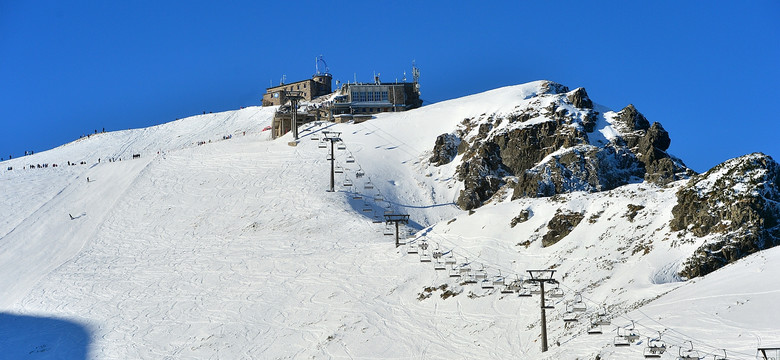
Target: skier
{"x": 71, "y": 217}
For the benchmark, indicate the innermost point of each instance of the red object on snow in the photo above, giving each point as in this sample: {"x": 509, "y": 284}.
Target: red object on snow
{"x": 267, "y": 128}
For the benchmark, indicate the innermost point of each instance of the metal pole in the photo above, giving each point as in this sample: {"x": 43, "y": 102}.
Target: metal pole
{"x": 544, "y": 319}
{"x": 332, "y": 168}
{"x": 396, "y": 234}
{"x": 294, "y": 120}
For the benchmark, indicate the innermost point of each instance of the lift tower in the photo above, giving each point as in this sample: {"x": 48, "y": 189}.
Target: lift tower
{"x": 294, "y": 97}
{"x": 331, "y": 137}
{"x": 541, "y": 277}
{"x": 396, "y": 219}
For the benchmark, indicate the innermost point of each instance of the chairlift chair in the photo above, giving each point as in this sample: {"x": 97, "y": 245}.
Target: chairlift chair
{"x": 368, "y": 185}
{"x": 350, "y": 159}
{"x": 594, "y": 329}
{"x": 439, "y": 265}
{"x": 526, "y": 289}
{"x": 620, "y": 340}
{"x": 486, "y": 284}
{"x": 555, "y": 292}
{"x": 389, "y": 230}
{"x": 341, "y": 146}
{"x": 688, "y": 354}
{"x": 315, "y": 137}
{"x": 570, "y": 316}
{"x": 534, "y": 288}
{"x": 454, "y": 272}
{"x": 718, "y": 357}
{"x": 347, "y": 182}
{"x": 338, "y": 169}
{"x": 578, "y": 305}
{"x": 425, "y": 255}
{"x": 654, "y": 348}
{"x": 411, "y": 248}
{"x": 480, "y": 274}
{"x": 359, "y": 173}
{"x": 377, "y": 219}
{"x": 356, "y": 196}
{"x": 322, "y": 144}
{"x": 378, "y": 198}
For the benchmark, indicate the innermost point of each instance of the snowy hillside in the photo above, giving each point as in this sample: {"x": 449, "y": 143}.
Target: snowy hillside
{"x": 233, "y": 249}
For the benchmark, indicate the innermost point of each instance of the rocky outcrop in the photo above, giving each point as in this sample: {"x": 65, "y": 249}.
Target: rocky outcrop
{"x": 579, "y": 98}
{"x": 737, "y": 205}
{"x": 482, "y": 175}
{"x": 445, "y": 149}
{"x": 544, "y": 146}
{"x": 560, "y": 225}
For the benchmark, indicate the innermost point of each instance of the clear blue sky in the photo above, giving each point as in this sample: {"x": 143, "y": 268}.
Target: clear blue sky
{"x": 708, "y": 71}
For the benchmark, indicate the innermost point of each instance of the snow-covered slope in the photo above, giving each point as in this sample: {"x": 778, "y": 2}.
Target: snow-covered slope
{"x": 233, "y": 249}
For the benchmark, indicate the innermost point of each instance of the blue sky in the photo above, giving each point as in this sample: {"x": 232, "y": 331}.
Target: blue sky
{"x": 707, "y": 71}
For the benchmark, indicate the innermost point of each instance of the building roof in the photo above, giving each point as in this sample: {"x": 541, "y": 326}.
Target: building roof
{"x": 288, "y": 84}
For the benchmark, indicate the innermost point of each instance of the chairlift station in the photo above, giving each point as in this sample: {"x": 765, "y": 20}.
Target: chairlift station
{"x": 350, "y": 101}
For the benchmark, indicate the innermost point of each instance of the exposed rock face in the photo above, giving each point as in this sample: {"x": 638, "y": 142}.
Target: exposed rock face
{"x": 579, "y": 98}
{"x": 561, "y": 225}
{"x": 445, "y": 149}
{"x": 545, "y": 147}
{"x": 737, "y": 201}
{"x": 482, "y": 175}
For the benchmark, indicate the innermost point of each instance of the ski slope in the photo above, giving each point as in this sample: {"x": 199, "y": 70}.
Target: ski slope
{"x": 233, "y": 249}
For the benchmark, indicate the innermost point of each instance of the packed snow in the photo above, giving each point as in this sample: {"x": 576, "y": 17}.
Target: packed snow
{"x": 219, "y": 242}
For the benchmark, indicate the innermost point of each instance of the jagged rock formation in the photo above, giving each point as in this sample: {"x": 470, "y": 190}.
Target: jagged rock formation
{"x": 739, "y": 203}
{"x": 552, "y": 146}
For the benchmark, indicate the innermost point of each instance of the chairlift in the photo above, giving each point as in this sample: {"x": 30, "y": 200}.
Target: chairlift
{"x": 350, "y": 159}
{"x": 439, "y": 265}
{"x": 481, "y": 274}
{"x": 526, "y": 289}
{"x": 499, "y": 279}
{"x": 469, "y": 277}
{"x": 378, "y": 198}
{"x": 631, "y": 333}
{"x": 377, "y": 219}
{"x": 322, "y": 145}
{"x": 425, "y": 255}
{"x": 356, "y": 196}
{"x": 347, "y": 182}
{"x": 341, "y": 146}
{"x": 570, "y": 316}
{"x": 368, "y": 185}
{"x": 578, "y": 305}
{"x": 389, "y": 230}
{"x": 688, "y": 354}
{"x": 555, "y": 292}
{"x": 594, "y": 329}
{"x": 315, "y": 137}
{"x": 718, "y": 357}
{"x": 486, "y": 284}
{"x": 412, "y": 248}
{"x": 655, "y": 347}
{"x": 534, "y": 288}
{"x": 359, "y": 173}
{"x": 620, "y": 340}
{"x": 338, "y": 169}
{"x": 454, "y": 272}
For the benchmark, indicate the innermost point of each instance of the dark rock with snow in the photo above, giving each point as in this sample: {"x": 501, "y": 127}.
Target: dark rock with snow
{"x": 445, "y": 149}
{"x": 736, "y": 205}
{"x": 561, "y": 225}
{"x": 482, "y": 175}
{"x": 579, "y": 98}
{"x": 545, "y": 148}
